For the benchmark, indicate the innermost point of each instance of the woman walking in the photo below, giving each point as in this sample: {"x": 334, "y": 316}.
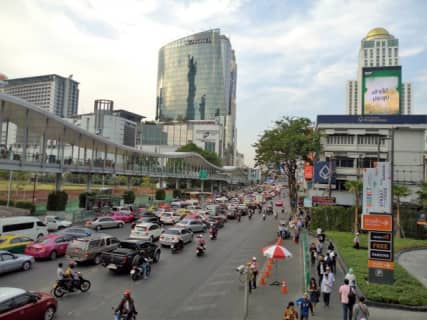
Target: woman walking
{"x": 314, "y": 291}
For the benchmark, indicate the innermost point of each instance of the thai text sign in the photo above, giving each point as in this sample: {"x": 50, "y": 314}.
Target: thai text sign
{"x": 377, "y": 222}
{"x": 377, "y": 189}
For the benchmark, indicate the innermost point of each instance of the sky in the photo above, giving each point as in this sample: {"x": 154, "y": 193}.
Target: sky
{"x": 293, "y": 57}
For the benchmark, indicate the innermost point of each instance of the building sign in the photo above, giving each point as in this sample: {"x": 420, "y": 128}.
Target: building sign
{"x": 377, "y": 189}
{"x": 380, "y": 236}
{"x": 308, "y": 171}
{"x": 323, "y": 201}
{"x": 376, "y": 264}
{"x": 381, "y": 90}
{"x": 377, "y": 222}
{"x": 197, "y": 41}
{"x": 380, "y": 255}
{"x": 372, "y": 119}
{"x": 324, "y": 172}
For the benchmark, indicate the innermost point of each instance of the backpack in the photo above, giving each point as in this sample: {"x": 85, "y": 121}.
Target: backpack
{"x": 351, "y": 295}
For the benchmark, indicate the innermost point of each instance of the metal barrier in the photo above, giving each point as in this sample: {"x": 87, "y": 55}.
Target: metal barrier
{"x": 306, "y": 258}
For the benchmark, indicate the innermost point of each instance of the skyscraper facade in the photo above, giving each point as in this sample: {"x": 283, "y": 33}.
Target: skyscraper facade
{"x": 378, "y": 49}
{"x": 51, "y": 92}
{"x": 197, "y": 81}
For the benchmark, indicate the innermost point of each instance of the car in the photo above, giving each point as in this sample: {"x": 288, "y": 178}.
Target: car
{"x": 90, "y": 248}
{"x": 147, "y": 218}
{"x": 193, "y": 225}
{"x": 174, "y": 235}
{"x": 14, "y": 242}
{"x": 13, "y": 261}
{"x": 77, "y": 232}
{"x": 56, "y": 223}
{"x": 231, "y": 214}
{"x": 49, "y": 246}
{"x": 123, "y": 216}
{"x": 278, "y": 203}
{"x": 170, "y": 218}
{"x": 125, "y": 209}
{"x": 104, "y": 222}
{"x": 213, "y": 221}
{"x": 146, "y": 231}
{"x": 19, "y": 304}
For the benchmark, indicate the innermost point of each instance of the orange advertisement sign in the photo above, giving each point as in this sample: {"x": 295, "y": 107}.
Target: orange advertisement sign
{"x": 308, "y": 171}
{"x": 376, "y": 264}
{"x": 377, "y": 222}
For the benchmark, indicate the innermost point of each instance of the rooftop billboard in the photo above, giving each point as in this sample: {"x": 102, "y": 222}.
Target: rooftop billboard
{"x": 381, "y": 90}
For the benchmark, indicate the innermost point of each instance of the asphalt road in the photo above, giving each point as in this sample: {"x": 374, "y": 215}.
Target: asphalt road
{"x": 181, "y": 286}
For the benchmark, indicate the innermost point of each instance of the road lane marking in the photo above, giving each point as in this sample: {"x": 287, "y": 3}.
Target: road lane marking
{"x": 200, "y": 307}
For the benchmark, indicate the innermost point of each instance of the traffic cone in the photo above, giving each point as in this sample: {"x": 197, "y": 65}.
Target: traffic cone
{"x": 262, "y": 281}
{"x": 268, "y": 267}
{"x": 284, "y": 288}
{"x": 271, "y": 261}
{"x": 266, "y": 273}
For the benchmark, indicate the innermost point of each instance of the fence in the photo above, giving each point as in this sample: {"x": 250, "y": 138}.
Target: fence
{"x": 306, "y": 258}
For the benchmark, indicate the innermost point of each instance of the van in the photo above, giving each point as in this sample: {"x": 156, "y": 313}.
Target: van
{"x": 31, "y": 227}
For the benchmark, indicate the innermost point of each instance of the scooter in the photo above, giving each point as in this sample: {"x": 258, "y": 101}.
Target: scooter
{"x": 263, "y": 216}
{"x": 200, "y": 251}
{"x": 176, "y": 247}
{"x": 59, "y": 289}
{"x": 212, "y": 234}
{"x": 250, "y": 215}
{"x": 137, "y": 272}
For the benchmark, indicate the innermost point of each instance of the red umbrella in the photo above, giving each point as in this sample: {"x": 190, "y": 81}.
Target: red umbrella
{"x": 276, "y": 252}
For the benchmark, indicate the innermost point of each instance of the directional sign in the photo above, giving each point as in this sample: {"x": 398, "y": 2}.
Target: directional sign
{"x": 388, "y": 265}
{"x": 203, "y": 174}
{"x": 380, "y": 236}
{"x": 379, "y": 245}
{"x": 377, "y": 222}
{"x": 380, "y": 255}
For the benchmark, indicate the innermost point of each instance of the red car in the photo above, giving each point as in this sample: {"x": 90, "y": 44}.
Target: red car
{"x": 123, "y": 216}
{"x": 49, "y": 246}
{"x": 31, "y": 305}
{"x": 279, "y": 203}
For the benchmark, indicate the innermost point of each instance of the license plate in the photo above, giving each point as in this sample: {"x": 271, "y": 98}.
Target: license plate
{"x": 112, "y": 267}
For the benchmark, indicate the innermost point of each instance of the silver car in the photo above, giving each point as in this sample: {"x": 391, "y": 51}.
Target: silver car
{"x": 99, "y": 223}
{"x": 194, "y": 225}
{"x": 12, "y": 261}
{"x": 175, "y": 235}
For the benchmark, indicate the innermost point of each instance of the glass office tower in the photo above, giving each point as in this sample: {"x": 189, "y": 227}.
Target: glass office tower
{"x": 197, "y": 81}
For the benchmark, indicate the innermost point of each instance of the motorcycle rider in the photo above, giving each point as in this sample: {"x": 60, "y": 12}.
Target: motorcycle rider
{"x": 139, "y": 261}
{"x": 69, "y": 276}
{"x": 60, "y": 275}
{"x": 201, "y": 242}
{"x": 126, "y": 307}
{"x": 214, "y": 230}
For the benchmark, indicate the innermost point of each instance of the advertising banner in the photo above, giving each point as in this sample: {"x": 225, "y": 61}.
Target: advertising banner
{"x": 308, "y": 171}
{"x": 323, "y": 171}
{"x": 323, "y": 201}
{"x": 377, "y": 189}
{"x": 381, "y": 90}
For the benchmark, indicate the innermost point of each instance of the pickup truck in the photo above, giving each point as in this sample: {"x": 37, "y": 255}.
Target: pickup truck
{"x": 120, "y": 259}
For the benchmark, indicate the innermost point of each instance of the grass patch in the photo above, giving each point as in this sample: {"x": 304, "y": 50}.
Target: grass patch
{"x": 405, "y": 290}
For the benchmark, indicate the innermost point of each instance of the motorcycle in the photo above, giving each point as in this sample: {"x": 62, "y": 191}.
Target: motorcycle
{"x": 250, "y": 215}
{"x": 200, "y": 251}
{"x": 176, "y": 247}
{"x": 212, "y": 234}
{"x": 138, "y": 273}
{"x": 123, "y": 316}
{"x": 60, "y": 288}
{"x": 263, "y": 216}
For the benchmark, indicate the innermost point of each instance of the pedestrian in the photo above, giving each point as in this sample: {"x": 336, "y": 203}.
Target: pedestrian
{"x": 305, "y": 307}
{"x": 318, "y": 247}
{"x": 326, "y": 287}
{"x": 254, "y": 267}
{"x": 356, "y": 241}
{"x": 350, "y": 276}
{"x": 351, "y": 299}
{"x": 321, "y": 267}
{"x": 290, "y": 312}
{"x": 322, "y": 238}
{"x": 314, "y": 291}
{"x": 344, "y": 292}
{"x": 250, "y": 277}
{"x": 313, "y": 250}
{"x": 361, "y": 311}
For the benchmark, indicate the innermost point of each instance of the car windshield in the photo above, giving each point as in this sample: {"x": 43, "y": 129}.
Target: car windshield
{"x": 171, "y": 231}
{"x": 42, "y": 240}
{"x": 80, "y": 243}
{"x": 127, "y": 245}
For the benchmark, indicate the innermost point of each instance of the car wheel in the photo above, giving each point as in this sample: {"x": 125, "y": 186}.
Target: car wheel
{"x": 52, "y": 255}
{"x": 98, "y": 228}
{"x": 49, "y": 314}
{"x": 156, "y": 257}
{"x": 39, "y": 236}
{"x": 26, "y": 266}
{"x": 97, "y": 260}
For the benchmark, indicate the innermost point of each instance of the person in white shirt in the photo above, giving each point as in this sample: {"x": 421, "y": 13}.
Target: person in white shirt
{"x": 328, "y": 280}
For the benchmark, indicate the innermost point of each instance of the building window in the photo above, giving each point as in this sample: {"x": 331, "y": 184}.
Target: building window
{"x": 345, "y": 162}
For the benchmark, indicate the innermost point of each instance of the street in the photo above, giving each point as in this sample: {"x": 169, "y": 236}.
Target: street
{"x": 181, "y": 286}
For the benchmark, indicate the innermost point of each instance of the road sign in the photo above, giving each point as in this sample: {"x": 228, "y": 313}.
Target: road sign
{"x": 203, "y": 174}
{"x": 377, "y": 222}
{"x": 380, "y": 255}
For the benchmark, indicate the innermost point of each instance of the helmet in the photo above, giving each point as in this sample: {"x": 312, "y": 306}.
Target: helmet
{"x": 253, "y": 258}
{"x": 127, "y": 292}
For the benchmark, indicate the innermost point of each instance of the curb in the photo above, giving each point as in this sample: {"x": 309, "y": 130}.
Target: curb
{"x": 378, "y": 304}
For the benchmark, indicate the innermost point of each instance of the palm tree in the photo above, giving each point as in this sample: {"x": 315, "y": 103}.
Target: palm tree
{"x": 355, "y": 186}
{"x": 398, "y": 192}
{"x": 422, "y": 194}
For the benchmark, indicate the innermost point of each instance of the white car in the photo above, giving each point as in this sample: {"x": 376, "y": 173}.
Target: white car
{"x": 146, "y": 231}
{"x": 56, "y": 223}
{"x": 169, "y": 217}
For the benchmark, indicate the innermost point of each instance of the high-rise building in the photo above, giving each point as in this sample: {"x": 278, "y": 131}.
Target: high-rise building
{"x": 51, "y": 92}
{"x": 378, "y": 49}
{"x": 197, "y": 81}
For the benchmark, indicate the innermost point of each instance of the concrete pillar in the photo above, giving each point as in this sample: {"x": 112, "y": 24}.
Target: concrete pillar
{"x": 188, "y": 184}
{"x": 220, "y": 186}
{"x": 129, "y": 182}
{"x": 212, "y": 186}
{"x": 202, "y": 185}
{"x": 58, "y": 182}
{"x": 177, "y": 184}
{"x": 26, "y": 130}
{"x": 89, "y": 182}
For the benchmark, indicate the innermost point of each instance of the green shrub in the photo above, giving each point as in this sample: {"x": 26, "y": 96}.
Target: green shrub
{"x": 4, "y": 203}
{"x": 160, "y": 194}
{"x": 129, "y": 197}
{"x": 57, "y": 201}
{"x": 332, "y": 218}
{"x": 25, "y": 205}
{"x": 177, "y": 193}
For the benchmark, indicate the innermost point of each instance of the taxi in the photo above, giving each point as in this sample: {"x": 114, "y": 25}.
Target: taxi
{"x": 14, "y": 243}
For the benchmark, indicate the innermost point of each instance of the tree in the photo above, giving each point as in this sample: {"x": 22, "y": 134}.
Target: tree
{"x": 398, "y": 192}
{"x": 355, "y": 186}
{"x": 422, "y": 194}
{"x": 210, "y": 156}
{"x": 290, "y": 140}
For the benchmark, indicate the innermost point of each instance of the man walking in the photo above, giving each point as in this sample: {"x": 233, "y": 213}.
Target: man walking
{"x": 344, "y": 291}
{"x": 305, "y": 307}
{"x": 326, "y": 286}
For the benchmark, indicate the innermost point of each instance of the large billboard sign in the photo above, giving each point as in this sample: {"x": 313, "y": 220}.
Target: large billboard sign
{"x": 377, "y": 189}
{"x": 382, "y": 89}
